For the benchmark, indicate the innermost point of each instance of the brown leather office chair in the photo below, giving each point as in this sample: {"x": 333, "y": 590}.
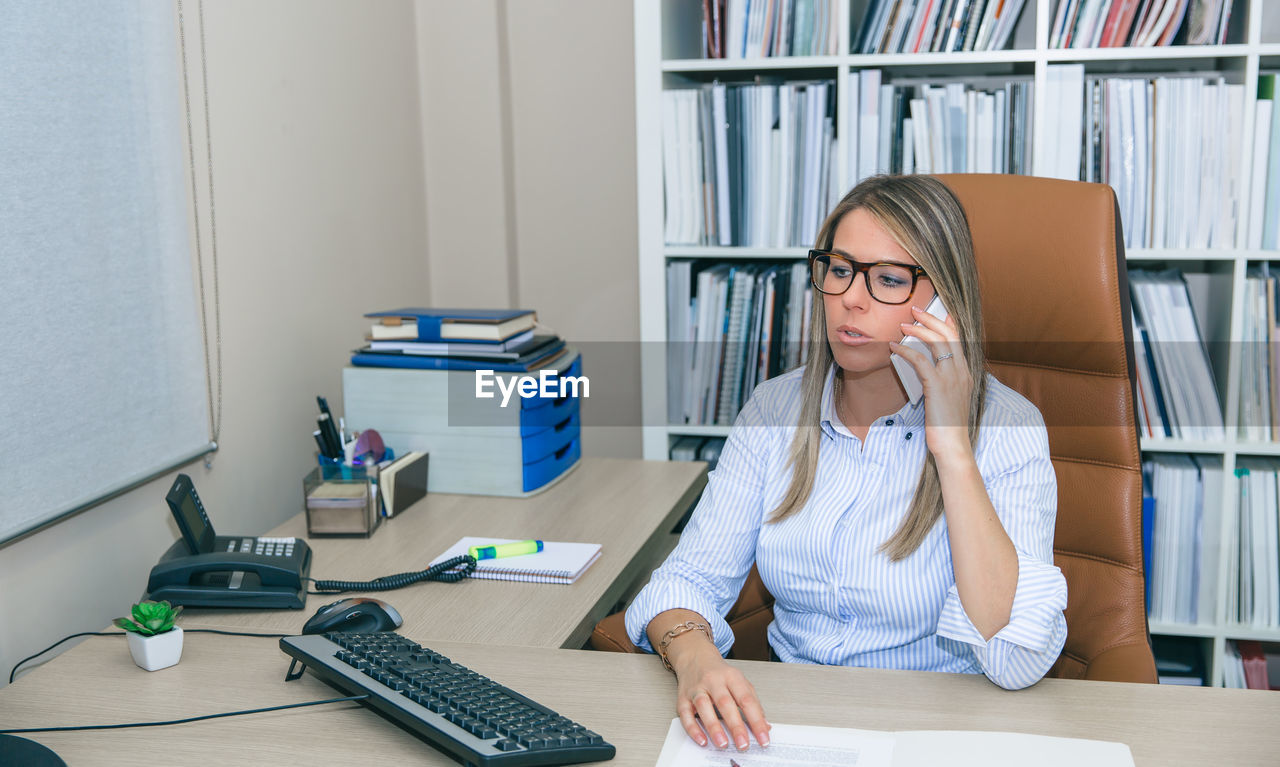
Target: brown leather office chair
{"x": 1056, "y": 303}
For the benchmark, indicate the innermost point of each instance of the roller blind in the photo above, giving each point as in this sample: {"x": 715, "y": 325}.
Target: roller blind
{"x": 102, "y": 377}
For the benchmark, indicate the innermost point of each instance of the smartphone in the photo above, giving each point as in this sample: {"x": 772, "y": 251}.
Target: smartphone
{"x": 906, "y": 373}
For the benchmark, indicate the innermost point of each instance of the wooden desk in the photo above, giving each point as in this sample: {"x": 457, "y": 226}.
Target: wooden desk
{"x": 626, "y": 698}
{"x": 628, "y": 506}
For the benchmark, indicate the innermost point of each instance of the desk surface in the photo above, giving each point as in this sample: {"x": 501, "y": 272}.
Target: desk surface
{"x": 628, "y": 506}
{"x": 97, "y": 682}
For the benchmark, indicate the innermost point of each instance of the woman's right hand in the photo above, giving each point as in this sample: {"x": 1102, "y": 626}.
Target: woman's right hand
{"x": 709, "y": 689}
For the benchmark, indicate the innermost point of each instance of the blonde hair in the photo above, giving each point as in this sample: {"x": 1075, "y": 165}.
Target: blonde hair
{"x": 924, "y": 217}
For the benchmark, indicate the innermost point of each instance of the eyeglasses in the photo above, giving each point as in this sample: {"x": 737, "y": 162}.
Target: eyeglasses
{"x": 888, "y": 283}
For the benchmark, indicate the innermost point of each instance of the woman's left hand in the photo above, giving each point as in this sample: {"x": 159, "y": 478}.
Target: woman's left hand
{"x": 946, "y": 382}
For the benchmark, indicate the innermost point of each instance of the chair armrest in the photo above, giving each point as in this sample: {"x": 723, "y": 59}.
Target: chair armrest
{"x": 1126, "y": 663}
{"x": 610, "y": 635}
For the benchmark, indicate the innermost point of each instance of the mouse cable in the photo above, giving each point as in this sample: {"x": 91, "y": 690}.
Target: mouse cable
{"x": 13, "y": 673}
{"x": 182, "y": 721}
{"x": 444, "y": 572}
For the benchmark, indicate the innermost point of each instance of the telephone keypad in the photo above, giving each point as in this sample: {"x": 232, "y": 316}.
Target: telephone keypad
{"x": 274, "y": 547}
{"x": 267, "y": 547}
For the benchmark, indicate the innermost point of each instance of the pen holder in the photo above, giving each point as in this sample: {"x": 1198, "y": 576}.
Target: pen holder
{"x": 340, "y": 500}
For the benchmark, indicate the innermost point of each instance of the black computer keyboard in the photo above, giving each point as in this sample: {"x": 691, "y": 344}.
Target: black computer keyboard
{"x": 469, "y": 716}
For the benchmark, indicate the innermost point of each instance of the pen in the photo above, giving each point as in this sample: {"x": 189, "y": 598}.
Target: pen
{"x": 505, "y": 549}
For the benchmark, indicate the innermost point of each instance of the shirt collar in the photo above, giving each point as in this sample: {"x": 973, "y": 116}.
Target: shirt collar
{"x": 908, "y": 415}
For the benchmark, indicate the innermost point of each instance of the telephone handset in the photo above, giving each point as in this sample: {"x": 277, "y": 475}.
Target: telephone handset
{"x": 907, "y": 373}
{"x": 203, "y": 569}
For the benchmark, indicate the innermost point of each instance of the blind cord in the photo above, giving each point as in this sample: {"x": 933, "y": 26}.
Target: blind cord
{"x": 215, "y": 405}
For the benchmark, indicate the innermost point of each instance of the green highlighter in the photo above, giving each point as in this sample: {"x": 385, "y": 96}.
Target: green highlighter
{"x": 500, "y": 550}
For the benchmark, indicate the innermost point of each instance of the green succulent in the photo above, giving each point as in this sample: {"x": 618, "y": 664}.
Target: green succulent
{"x": 150, "y": 618}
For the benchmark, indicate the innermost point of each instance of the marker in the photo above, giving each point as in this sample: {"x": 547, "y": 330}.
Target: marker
{"x": 505, "y": 550}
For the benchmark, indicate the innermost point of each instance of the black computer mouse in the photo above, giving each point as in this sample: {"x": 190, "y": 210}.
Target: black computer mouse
{"x": 360, "y": 614}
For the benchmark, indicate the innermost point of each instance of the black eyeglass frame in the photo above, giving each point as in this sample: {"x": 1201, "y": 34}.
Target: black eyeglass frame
{"x": 916, "y": 273}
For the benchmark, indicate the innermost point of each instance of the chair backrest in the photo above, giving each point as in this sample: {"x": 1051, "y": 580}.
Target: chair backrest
{"x": 1055, "y": 300}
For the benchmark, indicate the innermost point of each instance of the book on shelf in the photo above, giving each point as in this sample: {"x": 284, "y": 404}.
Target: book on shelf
{"x": 936, "y": 26}
{"x": 558, "y": 562}
{"x": 1264, "y": 230}
{"x": 739, "y": 29}
{"x": 748, "y": 165}
{"x": 1257, "y": 416}
{"x": 731, "y": 327}
{"x": 1183, "y": 540}
{"x": 440, "y": 325}
{"x": 1247, "y": 666}
{"x": 1255, "y": 597}
{"x": 1179, "y": 372}
{"x": 1138, "y": 23}
{"x": 1253, "y": 662}
{"x": 915, "y": 126}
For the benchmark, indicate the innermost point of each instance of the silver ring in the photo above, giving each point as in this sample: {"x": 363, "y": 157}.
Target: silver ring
{"x": 942, "y": 357}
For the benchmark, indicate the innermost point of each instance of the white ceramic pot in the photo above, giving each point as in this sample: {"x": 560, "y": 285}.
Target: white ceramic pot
{"x": 157, "y": 651}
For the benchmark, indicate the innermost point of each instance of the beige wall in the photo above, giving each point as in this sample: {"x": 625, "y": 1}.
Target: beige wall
{"x": 529, "y": 126}
{"x": 318, "y": 161}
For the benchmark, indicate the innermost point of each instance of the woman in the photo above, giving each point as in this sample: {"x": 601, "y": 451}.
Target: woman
{"x": 891, "y": 534}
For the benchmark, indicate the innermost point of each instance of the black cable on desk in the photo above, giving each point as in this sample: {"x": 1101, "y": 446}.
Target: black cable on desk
{"x": 14, "y": 672}
{"x": 448, "y": 571}
{"x": 181, "y": 721}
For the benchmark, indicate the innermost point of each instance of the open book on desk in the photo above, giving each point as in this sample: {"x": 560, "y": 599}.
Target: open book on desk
{"x": 558, "y": 562}
{"x": 792, "y": 744}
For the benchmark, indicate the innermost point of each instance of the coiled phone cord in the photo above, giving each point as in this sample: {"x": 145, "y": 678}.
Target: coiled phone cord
{"x": 448, "y": 571}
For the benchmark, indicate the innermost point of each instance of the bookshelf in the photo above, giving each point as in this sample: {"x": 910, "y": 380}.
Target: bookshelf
{"x": 667, "y": 55}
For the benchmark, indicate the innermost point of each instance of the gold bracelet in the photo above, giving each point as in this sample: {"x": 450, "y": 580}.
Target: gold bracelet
{"x": 683, "y": 628}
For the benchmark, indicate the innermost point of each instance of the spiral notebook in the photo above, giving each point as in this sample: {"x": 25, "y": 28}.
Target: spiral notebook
{"x": 558, "y": 562}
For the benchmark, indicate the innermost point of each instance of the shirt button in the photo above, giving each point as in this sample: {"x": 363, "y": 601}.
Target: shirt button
{"x": 908, "y": 436}
{"x": 889, "y": 422}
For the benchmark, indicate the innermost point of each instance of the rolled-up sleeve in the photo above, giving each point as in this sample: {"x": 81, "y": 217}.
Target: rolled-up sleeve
{"x": 1024, "y": 491}
{"x": 706, "y": 570}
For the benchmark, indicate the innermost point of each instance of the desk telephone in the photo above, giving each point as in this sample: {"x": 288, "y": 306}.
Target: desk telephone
{"x": 202, "y": 569}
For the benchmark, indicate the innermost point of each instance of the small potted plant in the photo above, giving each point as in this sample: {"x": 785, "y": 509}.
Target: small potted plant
{"x": 154, "y": 641}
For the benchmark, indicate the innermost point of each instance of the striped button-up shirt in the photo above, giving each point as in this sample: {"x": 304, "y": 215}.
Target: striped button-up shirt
{"x": 840, "y": 601}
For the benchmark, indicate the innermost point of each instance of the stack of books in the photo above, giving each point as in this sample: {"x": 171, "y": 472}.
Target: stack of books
{"x": 458, "y": 339}
{"x": 455, "y": 383}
